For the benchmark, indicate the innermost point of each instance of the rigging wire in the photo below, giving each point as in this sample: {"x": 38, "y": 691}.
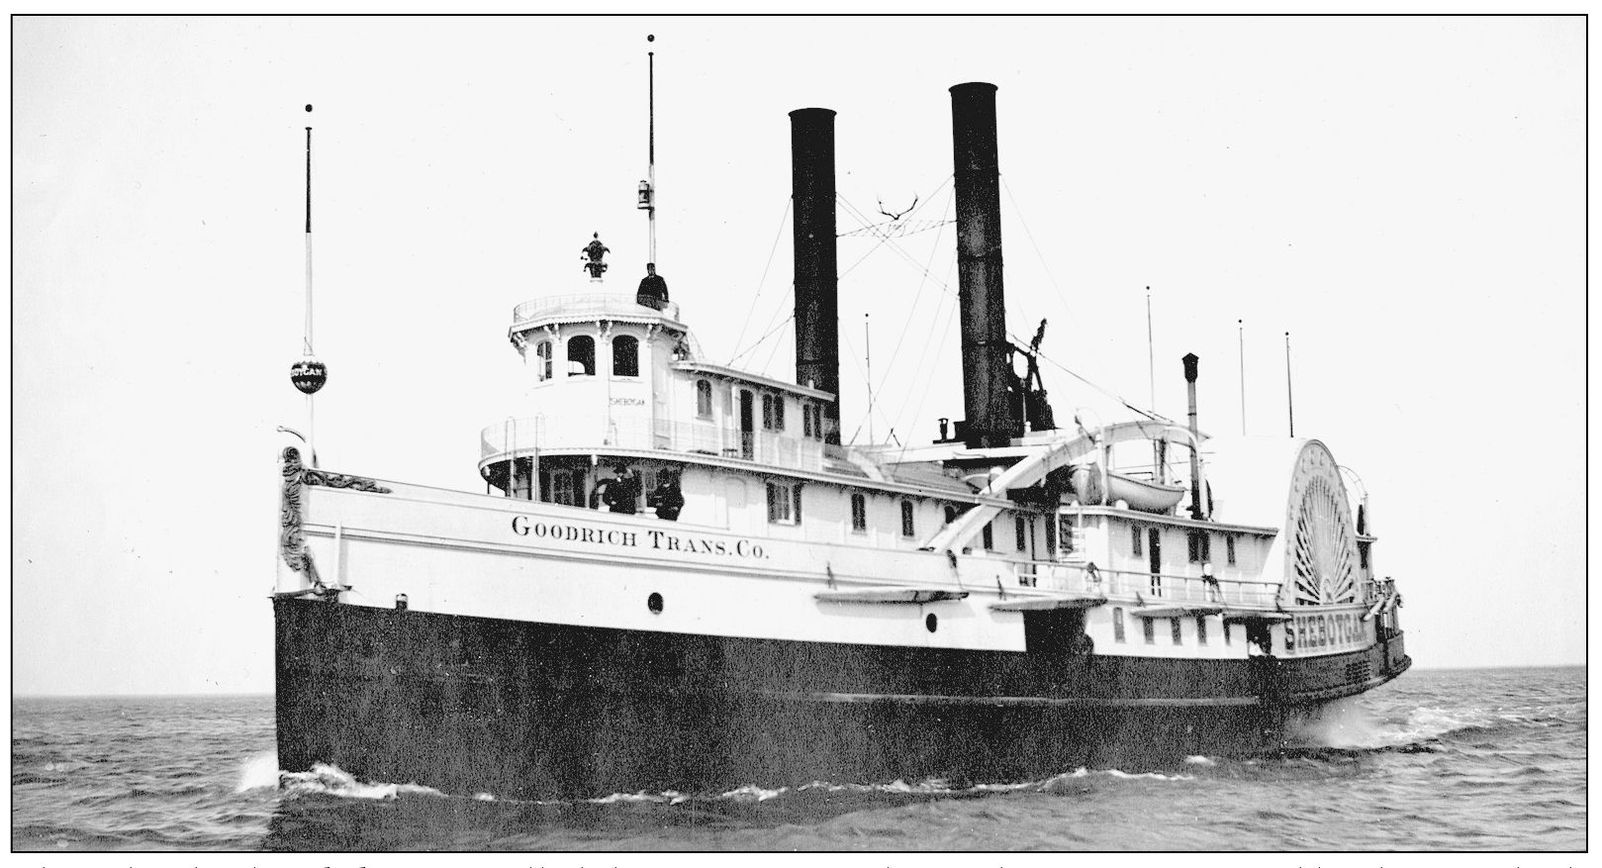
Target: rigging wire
{"x": 907, "y": 323}
{"x": 1045, "y": 266}
{"x": 924, "y": 280}
{"x": 762, "y": 284}
{"x": 776, "y": 344}
{"x": 851, "y": 353}
{"x": 901, "y": 252}
{"x": 1149, "y": 414}
{"x": 759, "y": 341}
{"x": 896, "y": 228}
{"x": 945, "y": 336}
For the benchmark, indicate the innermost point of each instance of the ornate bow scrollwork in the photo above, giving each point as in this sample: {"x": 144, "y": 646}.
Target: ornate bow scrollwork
{"x": 291, "y": 543}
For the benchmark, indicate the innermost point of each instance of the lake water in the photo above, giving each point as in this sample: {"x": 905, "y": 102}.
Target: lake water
{"x": 1437, "y": 760}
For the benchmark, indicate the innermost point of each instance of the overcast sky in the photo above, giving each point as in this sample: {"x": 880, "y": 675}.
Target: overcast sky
{"x": 1404, "y": 195}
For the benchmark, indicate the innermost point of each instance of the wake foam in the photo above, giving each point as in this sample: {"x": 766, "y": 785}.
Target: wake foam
{"x": 1343, "y": 723}
{"x": 1348, "y": 724}
{"x": 333, "y": 781}
{"x": 258, "y": 773}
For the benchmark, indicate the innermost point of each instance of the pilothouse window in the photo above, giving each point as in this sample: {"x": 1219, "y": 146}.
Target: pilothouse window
{"x": 542, "y": 360}
{"x": 581, "y": 356}
{"x": 625, "y": 356}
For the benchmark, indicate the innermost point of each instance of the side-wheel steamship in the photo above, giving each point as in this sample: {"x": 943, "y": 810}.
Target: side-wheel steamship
{"x": 682, "y": 580}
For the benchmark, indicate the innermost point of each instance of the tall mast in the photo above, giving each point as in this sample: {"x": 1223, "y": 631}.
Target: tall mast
{"x": 308, "y": 375}
{"x": 867, "y": 343}
{"x": 648, "y": 186}
{"x": 307, "y": 349}
{"x": 1151, "y": 358}
{"x": 1290, "y": 407}
{"x": 1241, "y": 325}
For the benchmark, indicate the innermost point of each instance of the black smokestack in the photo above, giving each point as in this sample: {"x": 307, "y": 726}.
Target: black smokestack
{"x": 987, "y": 375}
{"x": 817, "y": 308}
{"x": 1191, "y": 361}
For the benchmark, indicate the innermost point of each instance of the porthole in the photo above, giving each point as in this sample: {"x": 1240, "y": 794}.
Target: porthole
{"x": 654, "y": 603}
{"x": 931, "y": 622}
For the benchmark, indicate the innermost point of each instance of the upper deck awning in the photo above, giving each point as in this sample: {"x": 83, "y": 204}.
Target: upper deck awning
{"x": 729, "y": 373}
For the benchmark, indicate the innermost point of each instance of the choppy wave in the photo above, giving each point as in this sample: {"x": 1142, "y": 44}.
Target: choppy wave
{"x": 1438, "y": 760}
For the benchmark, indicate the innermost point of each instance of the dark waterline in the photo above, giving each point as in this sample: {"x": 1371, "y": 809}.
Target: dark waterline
{"x": 1481, "y": 759}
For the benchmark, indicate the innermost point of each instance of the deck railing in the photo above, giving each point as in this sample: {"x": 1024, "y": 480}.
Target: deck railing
{"x": 590, "y": 304}
{"x": 1153, "y": 588}
{"x": 581, "y": 431}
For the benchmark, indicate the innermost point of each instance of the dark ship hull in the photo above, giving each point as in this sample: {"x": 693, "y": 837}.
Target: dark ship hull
{"x": 542, "y": 711}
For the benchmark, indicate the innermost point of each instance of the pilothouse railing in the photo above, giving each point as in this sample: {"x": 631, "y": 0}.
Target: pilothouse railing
{"x": 590, "y": 304}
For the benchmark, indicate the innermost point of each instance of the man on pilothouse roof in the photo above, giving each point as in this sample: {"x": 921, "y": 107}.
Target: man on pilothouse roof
{"x": 653, "y": 291}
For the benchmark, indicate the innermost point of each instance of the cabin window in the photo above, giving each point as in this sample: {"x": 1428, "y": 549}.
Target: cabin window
{"x": 859, "y": 512}
{"x": 703, "y": 399}
{"x": 784, "y": 503}
{"x": 542, "y": 360}
{"x": 817, "y": 420}
{"x": 1022, "y": 531}
{"x": 806, "y": 419}
{"x": 1362, "y": 555}
{"x": 1177, "y": 631}
{"x": 1201, "y": 630}
{"x": 1229, "y": 548}
{"x": 1226, "y": 632}
{"x": 581, "y": 356}
{"x": 1065, "y": 531}
{"x": 778, "y": 412}
{"x": 1149, "y": 629}
{"x": 951, "y": 513}
{"x": 988, "y": 538}
{"x": 1134, "y": 541}
{"x": 1199, "y": 545}
{"x": 906, "y": 518}
{"x": 1118, "y": 624}
{"x": 767, "y": 412}
{"x": 625, "y": 356}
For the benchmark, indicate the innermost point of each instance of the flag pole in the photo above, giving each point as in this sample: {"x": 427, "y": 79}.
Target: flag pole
{"x": 1290, "y": 407}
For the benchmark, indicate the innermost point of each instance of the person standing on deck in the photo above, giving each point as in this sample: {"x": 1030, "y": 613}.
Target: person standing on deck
{"x": 653, "y": 292}
{"x": 623, "y": 492}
